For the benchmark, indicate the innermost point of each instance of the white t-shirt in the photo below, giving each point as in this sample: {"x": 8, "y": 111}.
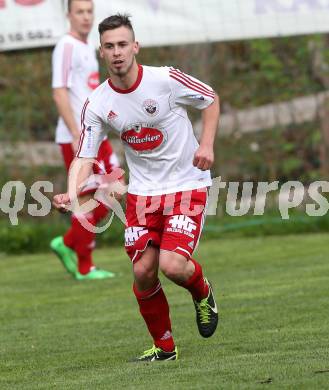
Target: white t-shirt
{"x": 152, "y": 122}
{"x": 74, "y": 66}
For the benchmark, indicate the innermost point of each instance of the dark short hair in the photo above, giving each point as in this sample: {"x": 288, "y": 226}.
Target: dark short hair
{"x": 116, "y": 21}
{"x": 69, "y": 4}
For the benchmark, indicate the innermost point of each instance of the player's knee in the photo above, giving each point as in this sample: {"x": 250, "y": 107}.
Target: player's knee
{"x": 172, "y": 272}
{"x": 174, "y": 269}
{"x": 143, "y": 272}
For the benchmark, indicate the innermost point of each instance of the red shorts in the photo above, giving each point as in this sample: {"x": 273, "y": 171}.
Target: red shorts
{"x": 172, "y": 222}
{"x": 106, "y": 158}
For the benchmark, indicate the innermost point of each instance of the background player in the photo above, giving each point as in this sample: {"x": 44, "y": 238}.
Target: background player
{"x": 169, "y": 175}
{"x": 75, "y": 75}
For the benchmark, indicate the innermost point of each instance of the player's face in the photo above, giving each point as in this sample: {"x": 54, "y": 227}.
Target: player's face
{"x": 81, "y": 17}
{"x": 118, "y": 49}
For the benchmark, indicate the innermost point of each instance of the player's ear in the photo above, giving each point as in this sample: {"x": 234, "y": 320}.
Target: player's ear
{"x": 101, "y": 54}
{"x": 136, "y": 47}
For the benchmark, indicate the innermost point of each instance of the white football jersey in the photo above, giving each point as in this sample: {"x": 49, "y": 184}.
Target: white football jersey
{"x": 152, "y": 122}
{"x": 74, "y": 66}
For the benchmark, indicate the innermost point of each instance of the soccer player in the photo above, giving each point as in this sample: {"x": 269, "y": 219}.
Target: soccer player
{"x": 169, "y": 175}
{"x": 75, "y": 76}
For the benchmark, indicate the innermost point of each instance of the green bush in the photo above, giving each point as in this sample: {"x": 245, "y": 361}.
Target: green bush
{"x": 32, "y": 236}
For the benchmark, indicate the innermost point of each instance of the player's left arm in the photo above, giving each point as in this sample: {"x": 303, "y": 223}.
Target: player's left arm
{"x": 188, "y": 91}
{"x": 204, "y": 155}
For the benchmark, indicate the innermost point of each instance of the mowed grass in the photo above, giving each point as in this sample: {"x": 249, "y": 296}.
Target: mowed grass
{"x": 273, "y": 293}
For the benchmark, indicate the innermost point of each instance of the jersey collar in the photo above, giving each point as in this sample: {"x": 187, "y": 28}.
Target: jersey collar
{"x": 133, "y": 87}
{"x": 77, "y": 38}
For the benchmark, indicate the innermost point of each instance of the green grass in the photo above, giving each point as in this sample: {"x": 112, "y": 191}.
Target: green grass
{"x": 56, "y": 333}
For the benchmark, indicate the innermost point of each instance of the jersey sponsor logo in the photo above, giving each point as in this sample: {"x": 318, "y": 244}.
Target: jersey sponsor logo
{"x": 132, "y": 234}
{"x": 182, "y": 224}
{"x": 93, "y": 80}
{"x": 111, "y": 116}
{"x": 151, "y": 107}
{"x": 143, "y": 137}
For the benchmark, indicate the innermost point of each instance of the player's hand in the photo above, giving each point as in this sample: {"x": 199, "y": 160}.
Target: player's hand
{"x": 203, "y": 158}
{"x": 62, "y": 202}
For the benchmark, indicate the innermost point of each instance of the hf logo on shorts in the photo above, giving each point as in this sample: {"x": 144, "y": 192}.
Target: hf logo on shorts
{"x": 132, "y": 234}
{"x": 182, "y": 224}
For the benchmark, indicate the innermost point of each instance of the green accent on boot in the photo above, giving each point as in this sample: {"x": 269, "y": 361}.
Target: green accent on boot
{"x": 94, "y": 274}
{"x": 156, "y": 354}
{"x": 65, "y": 254}
{"x": 207, "y": 313}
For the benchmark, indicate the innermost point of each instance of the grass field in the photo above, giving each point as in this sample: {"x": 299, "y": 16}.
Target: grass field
{"x": 56, "y": 333}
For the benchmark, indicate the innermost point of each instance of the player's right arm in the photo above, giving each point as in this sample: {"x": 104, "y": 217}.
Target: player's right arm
{"x": 64, "y": 108}
{"x": 91, "y": 137}
{"x": 80, "y": 170}
{"x": 61, "y": 83}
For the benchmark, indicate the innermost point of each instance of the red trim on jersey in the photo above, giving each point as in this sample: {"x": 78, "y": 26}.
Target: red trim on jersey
{"x": 82, "y": 135}
{"x": 67, "y": 59}
{"x": 83, "y": 111}
{"x": 193, "y": 88}
{"x": 189, "y": 79}
{"x": 188, "y": 82}
{"x": 133, "y": 87}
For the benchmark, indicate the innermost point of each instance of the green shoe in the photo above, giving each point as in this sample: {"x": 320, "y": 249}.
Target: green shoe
{"x": 157, "y": 354}
{"x": 65, "y": 254}
{"x": 94, "y": 274}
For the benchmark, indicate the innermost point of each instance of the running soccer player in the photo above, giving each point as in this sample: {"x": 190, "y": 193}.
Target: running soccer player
{"x": 75, "y": 76}
{"x": 169, "y": 175}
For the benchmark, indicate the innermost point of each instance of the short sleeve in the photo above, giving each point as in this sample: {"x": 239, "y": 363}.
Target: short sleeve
{"x": 92, "y": 133}
{"x": 190, "y": 91}
{"x": 62, "y": 65}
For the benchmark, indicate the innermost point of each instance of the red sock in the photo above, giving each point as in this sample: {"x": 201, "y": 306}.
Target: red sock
{"x": 196, "y": 284}
{"x": 83, "y": 243}
{"x": 68, "y": 238}
{"x": 100, "y": 212}
{"x": 154, "y": 308}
